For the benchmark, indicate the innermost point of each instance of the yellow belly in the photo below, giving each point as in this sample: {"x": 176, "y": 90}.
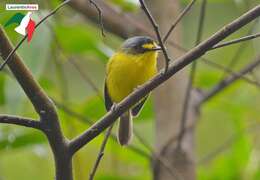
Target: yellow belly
{"x": 126, "y": 72}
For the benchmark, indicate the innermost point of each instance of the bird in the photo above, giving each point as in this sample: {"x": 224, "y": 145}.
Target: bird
{"x": 133, "y": 64}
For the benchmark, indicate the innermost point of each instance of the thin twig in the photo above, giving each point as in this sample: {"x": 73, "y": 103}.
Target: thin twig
{"x": 8, "y": 58}
{"x": 158, "y": 34}
{"x": 230, "y": 72}
{"x": 99, "y": 17}
{"x": 101, "y": 153}
{"x": 231, "y": 79}
{"x": 198, "y": 51}
{"x": 235, "y": 41}
{"x": 178, "y": 19}
{"x": 21, "y": 121}
{"x": 187, "y": 99}
{"x": 235, "y": 58}
{"x": 172, "y": 139}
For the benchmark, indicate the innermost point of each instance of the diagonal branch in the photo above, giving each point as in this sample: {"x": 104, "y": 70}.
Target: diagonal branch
{"x": 174, "y": 67}
{"x": 101, "y": 153}
{"x": 21, "y": 121}
{"x": 230, "y": 72}
{"x": 228, "y": 81}
{"x": 235, "y": 41}
{"x": 178, "y": 19}
{"x": 157, "y": 32}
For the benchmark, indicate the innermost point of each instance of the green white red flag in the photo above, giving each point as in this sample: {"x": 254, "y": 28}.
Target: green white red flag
{"x": 26, "y": 24}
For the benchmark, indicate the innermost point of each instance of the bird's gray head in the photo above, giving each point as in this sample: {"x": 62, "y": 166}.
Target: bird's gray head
{"x": 139, "y": 45}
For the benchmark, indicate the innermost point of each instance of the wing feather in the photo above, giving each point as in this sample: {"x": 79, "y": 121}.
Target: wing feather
{"x": 108, "y": 100}
{"x": 135, "y": 111}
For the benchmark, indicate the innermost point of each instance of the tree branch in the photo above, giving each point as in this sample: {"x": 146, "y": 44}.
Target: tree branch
{"x": 178, "y": 19}
{"x": 228, "y": 81}
{"x": 235, "y": 41}
{"x": 99, "y": 16}
{"x": 157, "y": 32}
{"x": 21, "y": 121}
{"x": 230, "y": 72}
{"x": 174, "y": 67}
{"x": 101, "y": 153}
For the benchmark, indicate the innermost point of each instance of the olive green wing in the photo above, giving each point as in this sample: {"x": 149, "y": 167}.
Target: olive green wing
{"x": 135, "y": 110}
{"x": 108, "y": 100}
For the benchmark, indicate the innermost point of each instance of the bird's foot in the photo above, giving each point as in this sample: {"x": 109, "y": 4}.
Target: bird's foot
{"x": 137, "y": 87}
{"x": 114, "y": 106}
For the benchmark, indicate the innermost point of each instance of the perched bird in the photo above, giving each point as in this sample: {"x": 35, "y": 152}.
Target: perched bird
{"x": 131, "y": 66}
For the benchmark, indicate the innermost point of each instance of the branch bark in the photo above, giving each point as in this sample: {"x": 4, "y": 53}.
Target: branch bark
{"x": 21, "y": 121}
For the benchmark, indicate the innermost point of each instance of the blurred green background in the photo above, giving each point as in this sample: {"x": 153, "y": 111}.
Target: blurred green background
{"x": 68, "y": 48}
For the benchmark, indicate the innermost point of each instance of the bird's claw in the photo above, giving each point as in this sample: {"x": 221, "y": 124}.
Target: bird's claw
{"x": 137, "y": 87}
{"x": 114, "y": 106}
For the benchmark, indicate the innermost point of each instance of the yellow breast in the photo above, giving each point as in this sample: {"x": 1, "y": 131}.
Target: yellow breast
{"x": 125, "y": 72}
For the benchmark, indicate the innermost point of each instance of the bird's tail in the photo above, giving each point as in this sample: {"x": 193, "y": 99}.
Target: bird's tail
{"x": 125, "y": 130}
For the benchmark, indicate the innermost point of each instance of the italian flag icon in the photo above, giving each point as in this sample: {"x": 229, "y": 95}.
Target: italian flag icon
{"x": 26, "y": 24}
